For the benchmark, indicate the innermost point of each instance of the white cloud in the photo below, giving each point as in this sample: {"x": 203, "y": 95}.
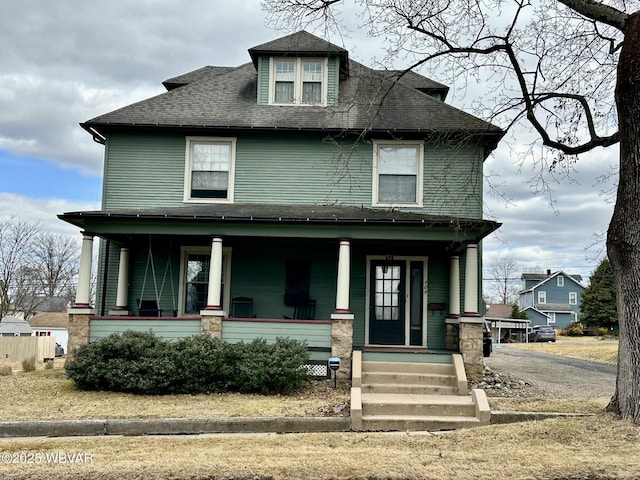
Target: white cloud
{"x": 43, "y": 211}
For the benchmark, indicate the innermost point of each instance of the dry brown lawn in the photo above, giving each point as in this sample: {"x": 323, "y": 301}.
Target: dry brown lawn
{"x": 584, "y": 348}
{"x": 49, "y": 395}
{"x": 595, "y": 447}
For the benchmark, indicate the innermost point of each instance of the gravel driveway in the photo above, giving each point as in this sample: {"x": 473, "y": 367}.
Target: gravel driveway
{"x": 540, "y": 374}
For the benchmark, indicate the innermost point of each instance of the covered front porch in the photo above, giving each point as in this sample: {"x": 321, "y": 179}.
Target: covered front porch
{"x": 337, "y": 285}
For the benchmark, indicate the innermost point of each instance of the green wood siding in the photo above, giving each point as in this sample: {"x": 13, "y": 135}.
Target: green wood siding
{"x": 301, "y": 170}
{"x": 148, "y": 171}
{"x": 263, "y": 80}
{"x": 453, "y": 180}
{"x": 438, "y": 292}
{"x": 260, "y": 273}
{"x": 168, "y": 329}
{"x": 144, "y": 170}
{"x": 315, "y": 334}
{"x": 333, "y": 81}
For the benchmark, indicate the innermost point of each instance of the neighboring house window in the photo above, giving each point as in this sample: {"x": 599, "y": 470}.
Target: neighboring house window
{"x": 194, "y": 278}
{"x": 209, "y": 168}
{"x": 299, "y": 81}
{"x": 560, "y": 281}
{"x": 573, "y": 298}
{"x": 397, "y": 173}
{"x": 542, "y": 297}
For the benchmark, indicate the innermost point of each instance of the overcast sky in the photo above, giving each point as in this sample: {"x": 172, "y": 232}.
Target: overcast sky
{"x": 64, "y": 62}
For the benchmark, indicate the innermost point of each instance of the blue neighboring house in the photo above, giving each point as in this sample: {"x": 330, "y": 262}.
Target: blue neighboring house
{"x": 551, "y": 298}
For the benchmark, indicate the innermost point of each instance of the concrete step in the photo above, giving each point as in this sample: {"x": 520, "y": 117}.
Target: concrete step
{"x": 390, "y": 423}
{"x": 406, "y": 367}
{"x": 398, "y": 378}
{"x": 409, "y": 389}
{"x": 417, "y": 405}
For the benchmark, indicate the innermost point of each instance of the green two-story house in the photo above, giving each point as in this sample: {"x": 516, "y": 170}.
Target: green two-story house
{"x": 300, "y": 194}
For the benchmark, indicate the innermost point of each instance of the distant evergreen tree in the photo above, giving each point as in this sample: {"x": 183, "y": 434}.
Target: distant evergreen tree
{"x": 598, "y": 306}
{"x": 517, "y": 313}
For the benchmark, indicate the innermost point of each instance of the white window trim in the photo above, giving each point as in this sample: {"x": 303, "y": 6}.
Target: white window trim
{"x": 419, "y": 171}
{"x": 573, "y": 296}
{"x": 187, "y": 168}
{"x": 297, "y": 82}
{"x": 552, "y": 318}
{"x": 560, "y": 281}
{"x": 542, "y": 297}
{"x": 226, "y": 255}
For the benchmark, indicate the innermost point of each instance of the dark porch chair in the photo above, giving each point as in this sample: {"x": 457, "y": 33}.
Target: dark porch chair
{"x": 242, "y": 307}
{"x": 305, "y": 311}
{"x": 148, "y": 308}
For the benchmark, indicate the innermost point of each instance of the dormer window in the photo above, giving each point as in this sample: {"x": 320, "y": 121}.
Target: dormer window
{"x": 299, "y": 81}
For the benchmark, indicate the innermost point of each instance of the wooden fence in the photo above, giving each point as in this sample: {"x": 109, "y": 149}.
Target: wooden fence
{"x": 16, "y": 349}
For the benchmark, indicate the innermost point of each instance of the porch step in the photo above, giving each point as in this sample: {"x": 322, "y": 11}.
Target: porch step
{"x": 417, "y": 405}
{"x": 408, "y": 367}
{"x": 417, "y": 423}
{"x": 408, "y": 379}
{"x": 409, "y": 389}
{"x": 414, "y": 396}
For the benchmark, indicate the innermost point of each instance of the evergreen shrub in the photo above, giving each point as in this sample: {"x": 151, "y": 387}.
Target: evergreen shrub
{"x": 143, "y": 363}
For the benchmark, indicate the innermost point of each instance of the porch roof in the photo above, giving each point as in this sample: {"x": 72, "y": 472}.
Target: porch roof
{"x": 275, "y": 214}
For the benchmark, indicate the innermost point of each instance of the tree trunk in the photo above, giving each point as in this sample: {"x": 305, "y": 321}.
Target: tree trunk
{"x": 623, "y": 240}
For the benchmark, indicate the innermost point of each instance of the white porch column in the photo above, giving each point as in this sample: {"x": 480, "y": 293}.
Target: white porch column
{"x": 344, "y": 273}
{"x": 471, "y": 281}
{"x": 215, "y": 275}
{"x": 454, "y": 287}
{"x": 122, "y": 297}
{"x": 83, "y": 293}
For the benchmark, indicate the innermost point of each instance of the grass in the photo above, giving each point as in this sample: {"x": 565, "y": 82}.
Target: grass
{"x": 558, "y": 405}
{"x": 580, "y": 347}
{"x": 49, "y": 395}
{"x": 595, "y": 447}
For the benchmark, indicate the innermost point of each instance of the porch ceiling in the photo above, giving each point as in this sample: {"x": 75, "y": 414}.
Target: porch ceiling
{"x": 321, "y": 221}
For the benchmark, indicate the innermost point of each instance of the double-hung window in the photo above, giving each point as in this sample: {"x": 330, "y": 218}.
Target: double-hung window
{"x": 397, "y": 173}
{"x": 209, "y": 169}
{"x": 194, "y": 278}
{"x": 573, "y": 298}
{"x": 299, "y": 81}
{"x": 542, "y": 297}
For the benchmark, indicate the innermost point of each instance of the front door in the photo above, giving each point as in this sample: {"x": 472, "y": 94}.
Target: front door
{"x": 397, "y": 292}
{"x": 387, "y": 303}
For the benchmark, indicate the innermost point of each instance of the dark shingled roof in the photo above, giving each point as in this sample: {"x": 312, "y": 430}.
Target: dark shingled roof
{"x": 225, "y": 98}
{"x": 275, "y": 213}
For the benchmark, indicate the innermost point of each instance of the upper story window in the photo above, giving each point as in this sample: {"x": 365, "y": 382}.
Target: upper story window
{"x": 542, "y": 297}
{"x": 560, "y": 281}
{"x": 573, "y": 298}
{"x": 397, "y": 173}
{"x": 209, "y": 169}
{"x": 299, "y": 81}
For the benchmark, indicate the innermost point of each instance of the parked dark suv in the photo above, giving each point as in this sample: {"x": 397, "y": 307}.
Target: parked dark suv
{"x": 487, "y": 343}
{"x": 542, "y": 334}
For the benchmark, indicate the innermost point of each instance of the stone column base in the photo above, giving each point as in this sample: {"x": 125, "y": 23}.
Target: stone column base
{"x": 470, "y": 334}
{"x": 342, "y": 342}
{"x": 78, "y": 328}
{"x": 211, "y": 322}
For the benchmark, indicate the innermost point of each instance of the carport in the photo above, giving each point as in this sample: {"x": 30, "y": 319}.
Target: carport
{"x": 514, "y": 329}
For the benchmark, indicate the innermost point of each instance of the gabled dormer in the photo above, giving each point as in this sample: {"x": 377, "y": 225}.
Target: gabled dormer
{"x": 299, "y": 69}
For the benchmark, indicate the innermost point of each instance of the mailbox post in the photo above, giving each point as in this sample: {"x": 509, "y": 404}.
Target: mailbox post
{"x": 334, "y": 365}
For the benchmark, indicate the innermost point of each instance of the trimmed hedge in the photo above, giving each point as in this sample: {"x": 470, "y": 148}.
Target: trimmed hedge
{"x": 142, "y": 363}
